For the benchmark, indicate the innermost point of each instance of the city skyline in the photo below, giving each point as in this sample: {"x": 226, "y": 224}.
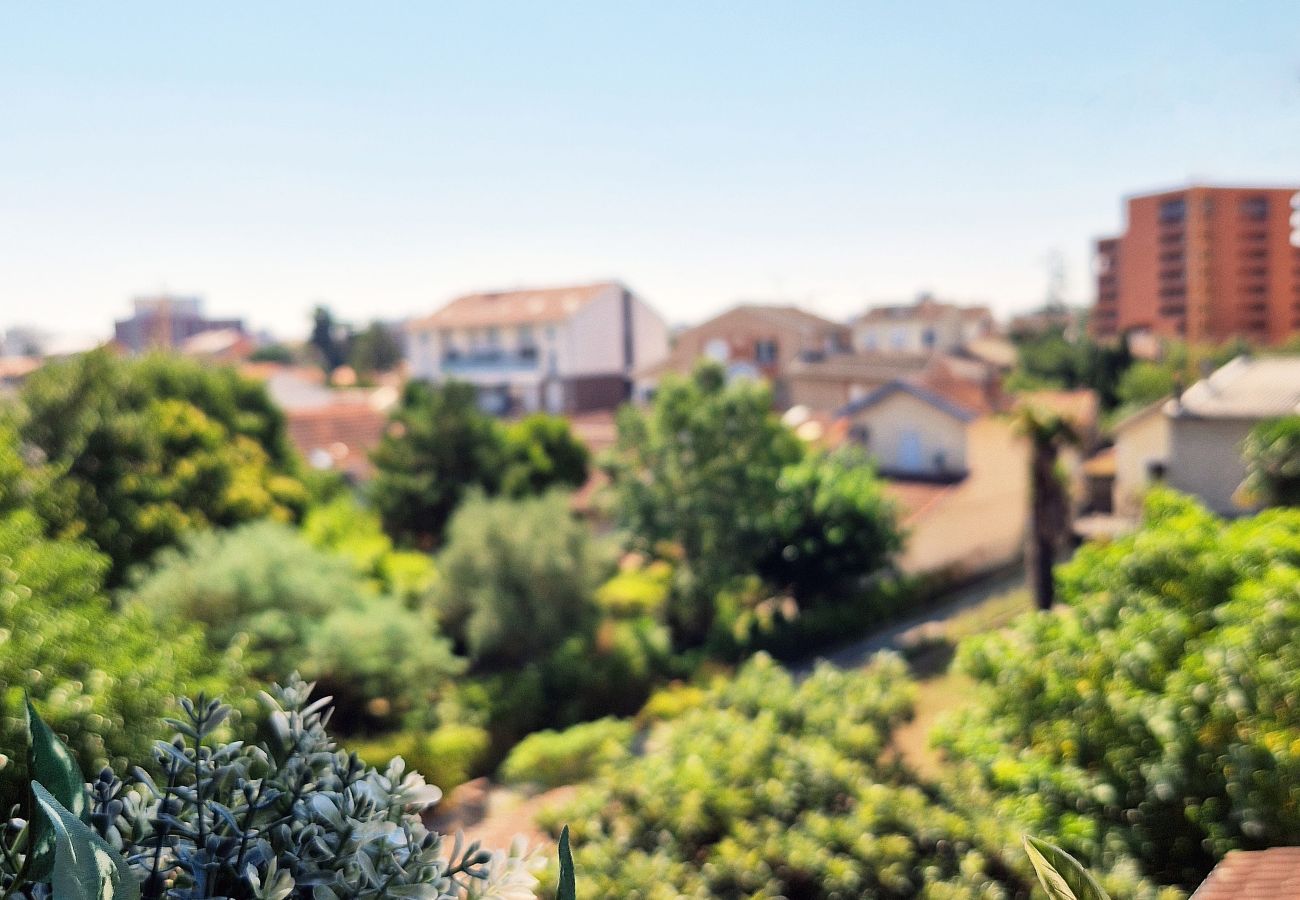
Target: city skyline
{"x": 383, "y": 163}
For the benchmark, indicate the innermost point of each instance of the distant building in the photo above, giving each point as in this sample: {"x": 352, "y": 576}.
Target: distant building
{"x": 166, "y": 322}
{"x": 751, "y": 340}
{"x": 1068, "y": 320}
{"x": 567, "y": 349}
{"x": 1204, "y": 264}
{"x": 1242, "y": 874}
{"x": 831, "y": 382}
{"x": 1193, "y": 441}
{"x": 921, "y": 327}
{"x": 911, "y": 431}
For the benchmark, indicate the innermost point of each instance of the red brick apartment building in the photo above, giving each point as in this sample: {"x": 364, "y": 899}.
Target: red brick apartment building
{"x": 1204, "y": 264}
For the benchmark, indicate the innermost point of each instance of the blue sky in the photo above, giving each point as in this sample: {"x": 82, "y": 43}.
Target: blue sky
{"x": 382, "y": 157}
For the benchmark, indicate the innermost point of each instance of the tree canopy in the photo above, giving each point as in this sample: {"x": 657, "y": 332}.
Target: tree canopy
{"x": 142, "y": 451}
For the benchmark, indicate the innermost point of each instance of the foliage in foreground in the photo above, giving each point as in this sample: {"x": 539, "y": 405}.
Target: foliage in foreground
{"x": 781, "y": 789}
{"x": 1155, "y": 715}
{"x": 289, "y": 816}
{"x": 103, "y": 676}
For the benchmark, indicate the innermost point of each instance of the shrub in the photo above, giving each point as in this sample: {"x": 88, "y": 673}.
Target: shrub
{"x": 450, "y": 755}
{"x": 779, "y": 789}
{"x": 345, "y": 528}
{"x": 1154, "y": 715}
{"x": 554, "y": 758}
{"x": 518, "y": 577}
{"x": 290, "y": 816}
{"x": 302, "y": 609}
{"x": 100, "y": 675}
{"x": 639, "y": 588}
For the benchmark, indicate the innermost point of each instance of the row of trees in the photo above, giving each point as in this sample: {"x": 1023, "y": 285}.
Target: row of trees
{"x": 460, "y": 593}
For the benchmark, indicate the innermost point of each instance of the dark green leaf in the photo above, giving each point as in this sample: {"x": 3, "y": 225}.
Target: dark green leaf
{"x": 1060, "y": 873}
{"x": 50, "y": 763}
{"x": 85, "y": 867}
{"x": 568, "y": 889}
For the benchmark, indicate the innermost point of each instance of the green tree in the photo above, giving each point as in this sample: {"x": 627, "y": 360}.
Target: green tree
{"x": 142, "y": 451}
{"x": 438, "y": 446}
{"x": 376, "y": 349}
{"x": 1145, "y": 383}
{"x": 542, "y": 452}
{"x": 699, "y": 469}
{"x": 329, "y": 339}
{"x": 517, "y": 577}
{"x": 1049, "y": 498}
{"x": 831, "y": 526}
{"x": 1272, "y": 451}
{"x": 1154, "y": 713}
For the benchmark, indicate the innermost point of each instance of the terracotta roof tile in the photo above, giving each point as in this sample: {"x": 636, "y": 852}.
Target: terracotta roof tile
{"x": 521, "y": 307}
{"x": 347, "y": 432}
{"x": 1272, "y": 874}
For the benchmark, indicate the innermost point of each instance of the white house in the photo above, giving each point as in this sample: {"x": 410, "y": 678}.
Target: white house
{"x": 922, "y": 327}
{"x": 567, "y": 349}
{"x": 911, "y": 431}
{"x": 1194, "y": 441}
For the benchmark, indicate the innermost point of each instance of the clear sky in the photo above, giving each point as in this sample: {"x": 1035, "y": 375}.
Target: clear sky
{"x": 384, "y": 156}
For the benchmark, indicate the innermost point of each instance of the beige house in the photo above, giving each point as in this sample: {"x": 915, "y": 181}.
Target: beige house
{"x": 1141, "y": 453}
{"x": 921, "y": 327}
{"x": 751, "y": 341}
{"x": 567, "y": 349}
{"x": 1194, "y": 441}
{"x": 911, "y": 431}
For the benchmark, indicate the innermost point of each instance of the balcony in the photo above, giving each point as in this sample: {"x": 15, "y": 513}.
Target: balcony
{"x": 525, "y": 359}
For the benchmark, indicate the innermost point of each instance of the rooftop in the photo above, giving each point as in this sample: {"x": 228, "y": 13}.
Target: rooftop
{"x": 520, "y": 307}
{"x": 1245, "y": 388}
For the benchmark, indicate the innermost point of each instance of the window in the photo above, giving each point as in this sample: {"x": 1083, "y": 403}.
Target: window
{"x": 898, "y": 338}
{"x": 493, "y": 336}
{"x": 860, "y": 434}
{"x": 525, "y": 336}
{"x": 928, "y": 337}
{"x": 1254, "y": 208}
{"x": 765, "y": 352}
{"x": 1173, "y": 211}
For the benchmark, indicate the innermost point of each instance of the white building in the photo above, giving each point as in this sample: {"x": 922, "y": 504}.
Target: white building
{"x": 924, "y": 326}
{"x": 568, "y": 349}
{"x": 1194, "y": 441}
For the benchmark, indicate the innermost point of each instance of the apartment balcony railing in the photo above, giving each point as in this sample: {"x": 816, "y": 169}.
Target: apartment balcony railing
{"x": 524, "y": 360}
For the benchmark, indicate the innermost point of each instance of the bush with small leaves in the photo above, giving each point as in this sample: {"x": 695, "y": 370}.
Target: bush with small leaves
{"x": 290, "y": 816}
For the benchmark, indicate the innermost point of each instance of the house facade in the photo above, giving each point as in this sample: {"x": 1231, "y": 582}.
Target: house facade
{"x": 562, "y": 350}
{"x": 911, "y": 431}
{"x": 751, "y": 341}
{"x": 1193, "y": 442}
{"x": 925, "y": 326}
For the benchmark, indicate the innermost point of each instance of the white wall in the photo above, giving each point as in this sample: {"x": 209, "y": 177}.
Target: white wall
{"x": 594, "y": 337}
{"x": 1138, "y": 444}
{"x": 1205, "y": 459}
{"x": 649, "y": 334}
{"x": 890, "y": 419}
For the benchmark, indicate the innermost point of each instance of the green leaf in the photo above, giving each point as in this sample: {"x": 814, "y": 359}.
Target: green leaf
{"x": 85, "y": 867}
{"x": 568, "y": 889}
{"x": 50, "y": 763}
{"x": 1060, "y": 873}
